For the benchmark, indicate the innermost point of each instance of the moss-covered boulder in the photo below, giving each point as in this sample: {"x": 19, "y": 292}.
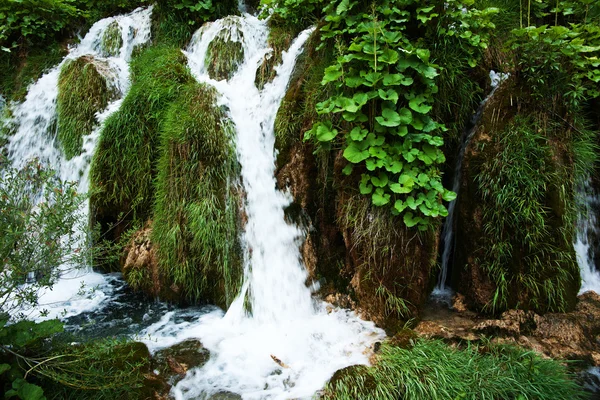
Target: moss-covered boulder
{"x": 112, "y": 40}
{"x": 226, "y": 51}
{"x": 196, "y": 219}
{"x": 123, "y": 167}
{"x": 516, "y": 209}
{"x": 82, "y": 92}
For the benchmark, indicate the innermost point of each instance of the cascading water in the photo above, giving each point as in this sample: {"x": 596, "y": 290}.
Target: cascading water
{"x": 284, "y": 321}
{"x": 587, "y": 231}
{"x": 442, "y": 292}
{"x": 34, "y": 122}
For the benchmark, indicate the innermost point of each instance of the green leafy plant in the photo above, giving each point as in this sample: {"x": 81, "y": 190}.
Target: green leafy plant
{"x": 385, "y": 91}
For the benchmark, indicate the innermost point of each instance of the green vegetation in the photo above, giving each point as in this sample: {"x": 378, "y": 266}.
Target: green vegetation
{"x": 18, "y": 71}
{"x": 197, "y": 199}
{"x": 527, "y": 242}
{"x": 384, "y": 95}
{"x": 124, "y": 164}
{"x": 112, "y": 40}
{"x": 429, "y": 369}
{"x": 225, "y": 53}
{"x": 82, "y": 92}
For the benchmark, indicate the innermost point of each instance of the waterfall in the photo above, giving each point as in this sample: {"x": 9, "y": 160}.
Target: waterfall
{"x": 34, "y": 122}
{"x": 275, "y": 341}
{"x": 442, "y": 292}
{"x": 587, "y": 232}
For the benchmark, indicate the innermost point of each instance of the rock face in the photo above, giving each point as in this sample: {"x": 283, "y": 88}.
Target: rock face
{"x": 141, "y": 269}
{"x": 572, "y": 336}
{"x": 360, "y": 254}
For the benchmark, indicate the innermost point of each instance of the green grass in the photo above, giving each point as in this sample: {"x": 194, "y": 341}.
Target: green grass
{"x": 123, "y": 167}
{"x": 197, "y": 200}
{"x": 527, "y": 219}
{"x": 433, "y": 370}
{"x": 82, "y": 92}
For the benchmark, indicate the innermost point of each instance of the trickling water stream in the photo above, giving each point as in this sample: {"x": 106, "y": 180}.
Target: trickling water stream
{"x": 587, "y": 232}
{"x": 35, "y": 137}
{"x": 442, "y": 292}
{"x": 285, "y": 321}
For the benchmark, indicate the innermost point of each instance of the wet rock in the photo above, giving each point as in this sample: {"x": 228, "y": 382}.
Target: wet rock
{"x": 405, "y": 339}
{"x": 175, "y": 361}
{"x": 572, "y": 336}
{"x": 225, "y": 396}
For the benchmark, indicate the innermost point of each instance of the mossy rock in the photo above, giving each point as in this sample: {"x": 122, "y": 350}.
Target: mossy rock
{"x": 196, "y": 221}
{"x": 112, "y": 40}
{"x": 225, "y": 53}
{"x": 280, "y": 39}
{"x": 124, "y": 165}
{"x": 82, "y": 92}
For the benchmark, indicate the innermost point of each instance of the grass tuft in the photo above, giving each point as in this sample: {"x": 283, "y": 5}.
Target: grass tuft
{"x": 434, "y": 370}
{"x": 112, "y": 40}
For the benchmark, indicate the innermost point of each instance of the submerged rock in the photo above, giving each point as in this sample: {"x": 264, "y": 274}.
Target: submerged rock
{"x": 173, "y": 363}
{"x": 226, "y": 51}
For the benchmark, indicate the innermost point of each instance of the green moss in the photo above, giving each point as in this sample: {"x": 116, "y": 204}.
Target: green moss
{"x": 112, "y": 40}
{"x": 433, "y": 370}
{"x": 196, "y": 209}
{"x": 224, "y": 55}
{"x": 124, "y": 164}
{"x": 82, "y": 92}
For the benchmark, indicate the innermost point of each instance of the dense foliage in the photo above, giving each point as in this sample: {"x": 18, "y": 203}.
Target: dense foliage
{"x": 385, "y": 91}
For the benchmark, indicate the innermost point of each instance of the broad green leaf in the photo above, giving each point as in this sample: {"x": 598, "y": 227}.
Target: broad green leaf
{"x": 400, "y": 189}
{"x": 355, "y": 155}
{"x": 380, "y": 198}
{"x": 423, "y": 54}
{"x": 325, "y": 132}
{"x": 400, "y": 206}
{"x": 4, "y": 368}
{"x": 332, "y": 73}
{"x": 402, "y": 130}
{"x": 381, "y": 180}
{"x": 389, "y": 118}
{"x": 358, "y": 134}
{"x": 365, "y": 185}
{"x": 348, "y": 169}
{"x": 419, "y": 105}
{"x": 395, "y": 167}
{"x": 449, "y": 196}
{"x": 374, "y": 163}
{"x": 389, "y": 95}
{"x": 410, "y": 220}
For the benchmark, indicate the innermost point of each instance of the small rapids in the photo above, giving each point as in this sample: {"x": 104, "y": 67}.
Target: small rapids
{"x": 308, "y": 338}
{"x": 34, "y": 124}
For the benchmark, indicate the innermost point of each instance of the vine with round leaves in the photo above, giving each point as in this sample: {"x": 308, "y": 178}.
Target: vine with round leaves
{"x": 385, "y": 87}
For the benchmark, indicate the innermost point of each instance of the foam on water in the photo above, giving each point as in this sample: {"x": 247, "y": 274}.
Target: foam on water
{"x": 35, "y": 137}
{"x": 306, "y": 335}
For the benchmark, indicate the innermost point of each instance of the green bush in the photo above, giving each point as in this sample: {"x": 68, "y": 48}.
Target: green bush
{"x": 196, "y": 209}
{"x": 434, "y": 370}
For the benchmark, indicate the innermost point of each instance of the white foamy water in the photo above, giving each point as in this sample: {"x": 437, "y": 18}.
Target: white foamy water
{"x": 35, "y": 137}
{"x": 442, "y": 292}
{"x": 587, "y": 229}
{"x": 275, "y": 314}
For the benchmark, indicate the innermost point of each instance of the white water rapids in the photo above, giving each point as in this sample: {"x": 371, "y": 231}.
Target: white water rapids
{"x": 34, "y": 122}
{"x": 284, "y": 321}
